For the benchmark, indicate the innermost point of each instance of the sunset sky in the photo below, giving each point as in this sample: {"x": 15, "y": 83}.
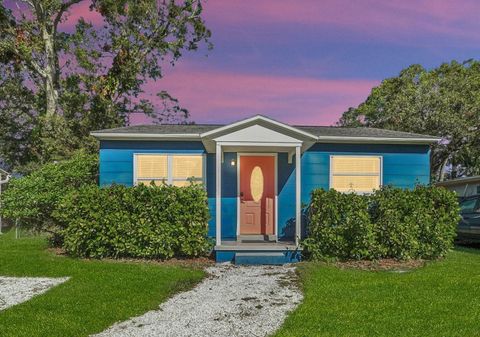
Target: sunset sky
{"x": 306, "y": 62}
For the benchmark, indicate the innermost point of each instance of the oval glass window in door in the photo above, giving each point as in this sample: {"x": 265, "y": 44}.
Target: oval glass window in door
{"x": 256, "y": 183}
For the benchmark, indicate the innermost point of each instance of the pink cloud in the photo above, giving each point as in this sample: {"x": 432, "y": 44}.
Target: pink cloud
{"x": 388, "y": 19}
{"x": 217, "y": 96}
{"x": 393, "y": 20}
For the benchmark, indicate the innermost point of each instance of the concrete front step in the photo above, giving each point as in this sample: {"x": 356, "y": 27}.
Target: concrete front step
{"x": 261, "y": 258}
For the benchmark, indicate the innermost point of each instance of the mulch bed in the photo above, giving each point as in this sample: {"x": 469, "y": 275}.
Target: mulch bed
{"x": 198, "y": 262}
{"x": 382, "y": 265}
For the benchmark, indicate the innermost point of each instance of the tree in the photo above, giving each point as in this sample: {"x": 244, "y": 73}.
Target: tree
{"x": 443, "y": 102}
{"x": 57, "y": 85}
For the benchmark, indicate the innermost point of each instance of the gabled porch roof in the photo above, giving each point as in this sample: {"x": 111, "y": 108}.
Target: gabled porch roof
{"x": 262, "y": 121}
{"x": 258, "y": 133}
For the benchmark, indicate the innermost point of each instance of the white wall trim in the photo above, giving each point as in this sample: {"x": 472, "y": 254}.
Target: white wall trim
{"x": 298, "y": 195}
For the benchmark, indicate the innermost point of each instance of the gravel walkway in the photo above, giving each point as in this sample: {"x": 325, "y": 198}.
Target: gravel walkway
{"x": 232, "y": 302}
{"x": 15, "y": 290}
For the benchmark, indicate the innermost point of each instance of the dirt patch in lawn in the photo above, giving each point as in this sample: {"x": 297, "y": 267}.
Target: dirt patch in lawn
{"x": 382, "y": 265}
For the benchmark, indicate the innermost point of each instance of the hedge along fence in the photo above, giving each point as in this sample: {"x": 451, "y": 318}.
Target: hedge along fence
{"x": 32, "y": 199}
{"x": 390, "y": 223}
{"x": 141, "y": 222}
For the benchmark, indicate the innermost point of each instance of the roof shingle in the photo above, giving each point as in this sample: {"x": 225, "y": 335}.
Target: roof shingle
{"x": 327, "y": 131}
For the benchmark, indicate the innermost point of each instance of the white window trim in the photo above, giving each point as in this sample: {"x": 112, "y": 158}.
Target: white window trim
{"x": 169, "y": 180}
{"x": 330, "y": 179}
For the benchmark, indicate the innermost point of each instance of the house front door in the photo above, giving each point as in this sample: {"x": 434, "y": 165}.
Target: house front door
{"x": 257, "y": 194}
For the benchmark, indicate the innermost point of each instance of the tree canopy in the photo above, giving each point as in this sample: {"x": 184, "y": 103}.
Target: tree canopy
{"x": 56, "y": 85}
{"x": 443, "y": 102}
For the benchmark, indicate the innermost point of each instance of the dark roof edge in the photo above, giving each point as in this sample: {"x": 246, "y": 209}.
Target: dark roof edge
{"x": 458, "y": 181}
{"x": 319, "y": 139}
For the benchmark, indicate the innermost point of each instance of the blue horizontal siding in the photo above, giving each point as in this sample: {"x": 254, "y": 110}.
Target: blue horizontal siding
{"x": 165, "y": 146}
{"x": 116, "y": 157}
{"x": 400, "y": 169}
{"x": 403, "y": 166}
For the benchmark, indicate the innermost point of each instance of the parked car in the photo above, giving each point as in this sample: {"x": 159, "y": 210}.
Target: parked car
{"x": 469, "y": 226}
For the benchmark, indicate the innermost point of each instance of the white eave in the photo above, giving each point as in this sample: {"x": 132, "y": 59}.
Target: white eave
{"x": 145, "y": 136}
{"x": 320, "y": 139}
{"x": 381, "y": 140}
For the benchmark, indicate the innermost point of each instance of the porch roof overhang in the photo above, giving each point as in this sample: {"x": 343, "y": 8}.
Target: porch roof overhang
{"x": 257, "y": 134}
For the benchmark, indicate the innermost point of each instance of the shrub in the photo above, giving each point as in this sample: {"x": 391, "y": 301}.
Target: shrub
{"x": 32, "y": 199}
{"x": 339, "y": 226}
{"x": 394, "y": 211}
{"x": 141, "y": 222}
{"x": 390, "y": 223}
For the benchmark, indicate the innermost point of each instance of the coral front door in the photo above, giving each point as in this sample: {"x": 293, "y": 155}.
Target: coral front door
{"x": 257, "y": 194}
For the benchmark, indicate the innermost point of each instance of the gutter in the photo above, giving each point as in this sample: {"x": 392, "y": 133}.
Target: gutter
{"x": 319, "y": 139}
{"x": 145, "y": 136}
{"x": 383, "y": 140}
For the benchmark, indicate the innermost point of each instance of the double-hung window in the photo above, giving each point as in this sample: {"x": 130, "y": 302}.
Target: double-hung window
{"x": 172, "y": 169}
{"x": 359, "y": 174}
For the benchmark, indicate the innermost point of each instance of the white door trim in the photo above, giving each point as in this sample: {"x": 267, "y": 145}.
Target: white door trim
{"x": 258, "y": 154}
{"x": 218, "y": 195}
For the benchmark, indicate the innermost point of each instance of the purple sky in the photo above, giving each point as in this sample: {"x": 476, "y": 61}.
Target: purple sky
{"x": 306, "y": 62}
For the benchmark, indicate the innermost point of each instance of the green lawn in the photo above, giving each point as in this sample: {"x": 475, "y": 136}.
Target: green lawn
{"x": 97, "y": 295}
{"x": 441, "y": 299}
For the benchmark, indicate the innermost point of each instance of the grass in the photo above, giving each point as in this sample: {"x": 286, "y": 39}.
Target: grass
{"x": 97, "y": 294}
{"x": 440, "y": 299}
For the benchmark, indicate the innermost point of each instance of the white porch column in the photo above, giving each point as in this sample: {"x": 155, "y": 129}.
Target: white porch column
{"x": 218, "y": 194}
{"x": 298, "y": 195}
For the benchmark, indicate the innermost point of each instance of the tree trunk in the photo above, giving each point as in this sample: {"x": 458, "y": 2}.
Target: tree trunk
{"x": 52, "y": 124}
{"x": 51, "y": 77}
{"x": 440, "y": 176}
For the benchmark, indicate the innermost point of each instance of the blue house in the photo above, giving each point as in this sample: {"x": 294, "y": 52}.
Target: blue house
{"x": 259, "y": 172}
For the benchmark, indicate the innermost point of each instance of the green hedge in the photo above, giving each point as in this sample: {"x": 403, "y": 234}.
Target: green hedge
{"x": 141, "y": 222}
{"x": 32, "y": 199}
{"x": 390, "y": 223}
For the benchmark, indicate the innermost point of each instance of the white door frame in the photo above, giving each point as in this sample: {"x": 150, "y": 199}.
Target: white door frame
{"x": 259, "y": 154}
